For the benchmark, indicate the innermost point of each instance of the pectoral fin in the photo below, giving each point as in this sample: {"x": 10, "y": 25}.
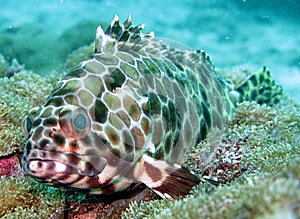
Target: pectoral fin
{"x": 169, "y": 181}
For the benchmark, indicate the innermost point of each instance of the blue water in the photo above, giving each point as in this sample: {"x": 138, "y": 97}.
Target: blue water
{"x": 236, "y": 34}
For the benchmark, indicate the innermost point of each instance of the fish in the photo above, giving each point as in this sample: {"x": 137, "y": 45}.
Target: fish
{"x": 130, "y": 114}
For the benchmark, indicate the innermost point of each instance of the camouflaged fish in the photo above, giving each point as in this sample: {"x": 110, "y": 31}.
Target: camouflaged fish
{"x": 130, "y": 114}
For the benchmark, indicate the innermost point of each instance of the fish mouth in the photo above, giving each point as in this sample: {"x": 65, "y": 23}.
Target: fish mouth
{"x": 48, "y": 165}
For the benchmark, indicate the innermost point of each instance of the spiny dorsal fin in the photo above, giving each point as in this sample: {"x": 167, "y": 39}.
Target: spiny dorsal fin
{"x": 119, "y": 35}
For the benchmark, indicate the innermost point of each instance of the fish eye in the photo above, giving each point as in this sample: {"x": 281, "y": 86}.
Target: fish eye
{"x": 75, "y": 122}
{"x": 80, "y": 122}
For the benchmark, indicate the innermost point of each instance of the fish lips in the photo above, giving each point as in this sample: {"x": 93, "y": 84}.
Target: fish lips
{"x": 64, "y": 163}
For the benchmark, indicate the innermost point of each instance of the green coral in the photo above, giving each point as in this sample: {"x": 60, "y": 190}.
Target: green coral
{"x": 18, "y": 94}
{"x": 269, "y": 185}
{"x": 256, "y": 196}
{"x": 273, "y": 135}
{"x": 11, "y": 139}
{"x": 25, "y": 198}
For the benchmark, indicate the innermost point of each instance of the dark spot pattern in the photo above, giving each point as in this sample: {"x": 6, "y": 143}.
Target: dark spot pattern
{"x": 101, "y": 111}
{"x": 59, "y": 140}
{"x": 115, "y": 79}
{"x": 50, "y": 122}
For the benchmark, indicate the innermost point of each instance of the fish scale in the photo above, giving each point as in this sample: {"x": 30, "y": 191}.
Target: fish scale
{"x": 130, "y": 114}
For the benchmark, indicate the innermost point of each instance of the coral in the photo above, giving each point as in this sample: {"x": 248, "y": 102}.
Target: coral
{"x": 146, "y": 209}
{"x": 255, "y": 196}
{"x": 255, "y": 160}
{"x": 22, "y": 197}
{"x": 224, "y": 164}
{"x": 25, "y": 198}
{"x": 249, "y": 197}
{"x": 11, "y": 139}
{"x": 257, "y": 154}
{"x": 273, "y": 135}
{"x": 10, "y": 166}
{"x": 18, "y": 94}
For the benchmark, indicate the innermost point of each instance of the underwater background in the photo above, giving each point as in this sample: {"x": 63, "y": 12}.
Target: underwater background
{"x": 40, "y": 40}
{"x": 236, "y": 33}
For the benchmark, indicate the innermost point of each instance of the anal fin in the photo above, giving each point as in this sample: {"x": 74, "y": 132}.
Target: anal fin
{"x": 169, "y": 181}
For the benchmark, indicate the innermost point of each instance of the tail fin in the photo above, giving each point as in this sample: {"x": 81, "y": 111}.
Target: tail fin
{"x": 260, "y": 87}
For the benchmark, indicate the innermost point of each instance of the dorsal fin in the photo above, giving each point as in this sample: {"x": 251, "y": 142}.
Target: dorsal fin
{"x": 118, "y": 35}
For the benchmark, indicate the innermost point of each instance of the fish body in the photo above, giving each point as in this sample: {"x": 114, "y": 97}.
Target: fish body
{"x": 129, "y": 114}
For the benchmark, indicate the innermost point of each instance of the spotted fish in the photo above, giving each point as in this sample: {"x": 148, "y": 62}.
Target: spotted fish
{"x": 130, "y": 114}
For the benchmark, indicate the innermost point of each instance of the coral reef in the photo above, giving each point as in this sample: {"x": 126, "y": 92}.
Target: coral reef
{"x": 18, "y": 94}
{"x": 255, "y": 162}
{"x": 25, "y": 198}
{"x": 258, "y": 154}
{"x": 22, "y": 197}
{"x": 252, "y": 196}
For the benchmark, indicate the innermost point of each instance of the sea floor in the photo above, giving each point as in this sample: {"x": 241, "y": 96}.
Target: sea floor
{"x": 236, "y": 34}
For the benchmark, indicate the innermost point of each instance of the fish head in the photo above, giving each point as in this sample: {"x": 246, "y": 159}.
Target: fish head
{"x": 86, "y": 135}
{"x": 60, "y": 147}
